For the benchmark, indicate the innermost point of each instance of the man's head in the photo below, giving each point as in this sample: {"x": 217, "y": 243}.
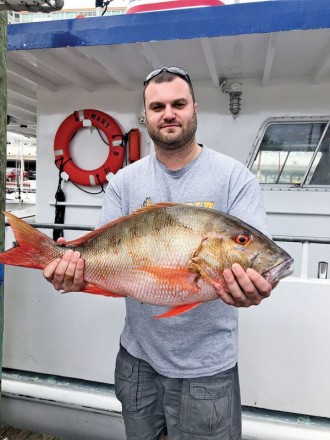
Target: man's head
{"x": 170, "y": 108}
{"x": 167, "y": 74}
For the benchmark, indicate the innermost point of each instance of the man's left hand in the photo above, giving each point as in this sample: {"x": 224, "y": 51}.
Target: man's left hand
{"x": 245, "y": 288}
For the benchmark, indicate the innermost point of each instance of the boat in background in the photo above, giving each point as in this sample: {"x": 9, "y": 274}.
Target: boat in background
{"x": 138, "y": 6}
{"x": 18, "y": 200}
{"x": 20, "y": 172}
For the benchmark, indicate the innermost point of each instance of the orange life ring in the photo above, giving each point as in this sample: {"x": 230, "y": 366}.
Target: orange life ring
{"x": 65, "y": 133}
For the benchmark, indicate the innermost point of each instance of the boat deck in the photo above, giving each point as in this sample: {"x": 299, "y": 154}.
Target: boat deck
{"x": 10, "y": 433}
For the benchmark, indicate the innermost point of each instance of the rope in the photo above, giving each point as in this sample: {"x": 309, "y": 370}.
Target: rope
{"x": 59, "y": 209}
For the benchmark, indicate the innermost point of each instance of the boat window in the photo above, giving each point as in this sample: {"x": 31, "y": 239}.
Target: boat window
{"x": 293, "y": 154}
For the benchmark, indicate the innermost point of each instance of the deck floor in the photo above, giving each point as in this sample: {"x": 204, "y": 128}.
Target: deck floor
{"x": 10, "y": 433}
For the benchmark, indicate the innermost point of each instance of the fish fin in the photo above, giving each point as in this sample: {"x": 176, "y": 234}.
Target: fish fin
{"x": 177, "y": 310}
{"x": 219, "y": 283}
{"x": 33, "y": 249}
{"x": 184, "y": 278}
{"x": 155, "y": 206}
{"x": 92, "y": 288}
{"x": 91, "y": 235}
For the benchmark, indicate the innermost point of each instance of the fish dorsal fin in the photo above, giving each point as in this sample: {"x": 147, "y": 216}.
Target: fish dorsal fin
{"x": 91, "y": 235}
{"x": 155, "y": 206}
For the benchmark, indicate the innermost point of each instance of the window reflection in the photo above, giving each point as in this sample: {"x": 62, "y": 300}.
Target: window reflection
{"x": 294, "y": 154}
{"x": 320, "y": 172}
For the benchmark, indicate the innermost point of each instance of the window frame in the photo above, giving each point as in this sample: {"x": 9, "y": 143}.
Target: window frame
{"x": 285, "y": 120}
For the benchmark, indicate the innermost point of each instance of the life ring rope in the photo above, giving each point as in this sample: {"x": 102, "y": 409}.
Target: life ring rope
{"x": 103, "y": 123}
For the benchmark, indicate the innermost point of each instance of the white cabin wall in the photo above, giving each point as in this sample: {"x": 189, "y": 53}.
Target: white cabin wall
{"x": 235, "y": 137}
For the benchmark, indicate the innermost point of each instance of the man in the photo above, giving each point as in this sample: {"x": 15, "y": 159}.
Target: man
{"x": 179, "y": 375}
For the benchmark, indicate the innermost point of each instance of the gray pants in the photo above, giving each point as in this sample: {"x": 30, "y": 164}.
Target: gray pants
{"x": 186, "y": 409}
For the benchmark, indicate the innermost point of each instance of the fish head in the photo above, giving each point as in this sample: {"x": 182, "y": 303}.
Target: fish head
{"x": 269, "y": 259}
{"x": 250, "y": 248}
{"x": 280, "y": 271}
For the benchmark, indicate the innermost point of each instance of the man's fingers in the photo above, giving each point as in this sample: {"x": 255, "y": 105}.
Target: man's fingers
{"x": 62, "y": 268}
{"x": 61, "y": 272}
{"x": 234, "y": 279}
{"x": 66, "y": 273}
{"x": 80, "y": 267}
{"x": 244, "y": 281}
{"x": 61, "y": 240}
{"x": 224, "y": 293}
{"x": 263, "y": 286}
{"x": 225, "y": 296}
{"x": 68, "y": 279}
{"x": 246, "y": 288}
{"x": 50, "y": 269}
{"x": 78, "y": 282}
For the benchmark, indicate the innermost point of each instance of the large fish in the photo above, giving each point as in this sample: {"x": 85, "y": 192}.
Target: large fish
{"x": 166, "y": 254}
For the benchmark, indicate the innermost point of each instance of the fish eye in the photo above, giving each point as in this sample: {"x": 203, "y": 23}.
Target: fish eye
{"x": 242, "y": 239}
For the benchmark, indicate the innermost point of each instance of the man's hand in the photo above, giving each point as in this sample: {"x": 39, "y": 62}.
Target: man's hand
{"x": 244, "y": 288}
{"x": 66, "y": 273}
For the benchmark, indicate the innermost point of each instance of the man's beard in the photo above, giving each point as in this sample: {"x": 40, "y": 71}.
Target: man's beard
{"x": 167, "y": 142}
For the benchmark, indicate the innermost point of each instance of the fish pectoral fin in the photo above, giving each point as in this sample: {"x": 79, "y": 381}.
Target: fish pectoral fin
{"x": 177, "y": 310}
{"x": 219, "y": 283}
{"x": 92, "y": 288}
{"x": 184, "y": 278}
{"x": 194, "y": 264}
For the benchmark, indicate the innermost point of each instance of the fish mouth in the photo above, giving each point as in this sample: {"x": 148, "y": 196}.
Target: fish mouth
{"x": 279, "y": 271}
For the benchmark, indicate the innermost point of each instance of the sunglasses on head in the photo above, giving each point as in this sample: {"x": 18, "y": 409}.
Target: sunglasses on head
{"x": 176, "y": 70}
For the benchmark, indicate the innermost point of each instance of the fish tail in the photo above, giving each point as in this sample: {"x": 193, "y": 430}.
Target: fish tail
{"x": 33, "y": 248}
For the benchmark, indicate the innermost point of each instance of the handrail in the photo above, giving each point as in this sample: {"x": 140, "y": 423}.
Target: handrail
{"x": 60, "y": 226}
{"x": 302, "y": 239}
{"x": 280, "y": 238}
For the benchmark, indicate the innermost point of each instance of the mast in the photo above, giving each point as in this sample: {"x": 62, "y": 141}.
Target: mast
{"x": 3, "y": 161}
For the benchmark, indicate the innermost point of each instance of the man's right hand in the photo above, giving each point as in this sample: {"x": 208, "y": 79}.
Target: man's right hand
{"x": 66, "y": 273}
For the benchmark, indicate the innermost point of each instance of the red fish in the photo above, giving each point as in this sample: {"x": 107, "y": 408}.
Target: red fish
{"x": 165, "y": 254}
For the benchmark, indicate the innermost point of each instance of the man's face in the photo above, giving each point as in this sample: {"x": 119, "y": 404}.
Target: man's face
{"x": 171, "y": 114}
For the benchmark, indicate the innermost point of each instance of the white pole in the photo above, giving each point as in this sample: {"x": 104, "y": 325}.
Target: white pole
{"x": 304, "y": 260}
